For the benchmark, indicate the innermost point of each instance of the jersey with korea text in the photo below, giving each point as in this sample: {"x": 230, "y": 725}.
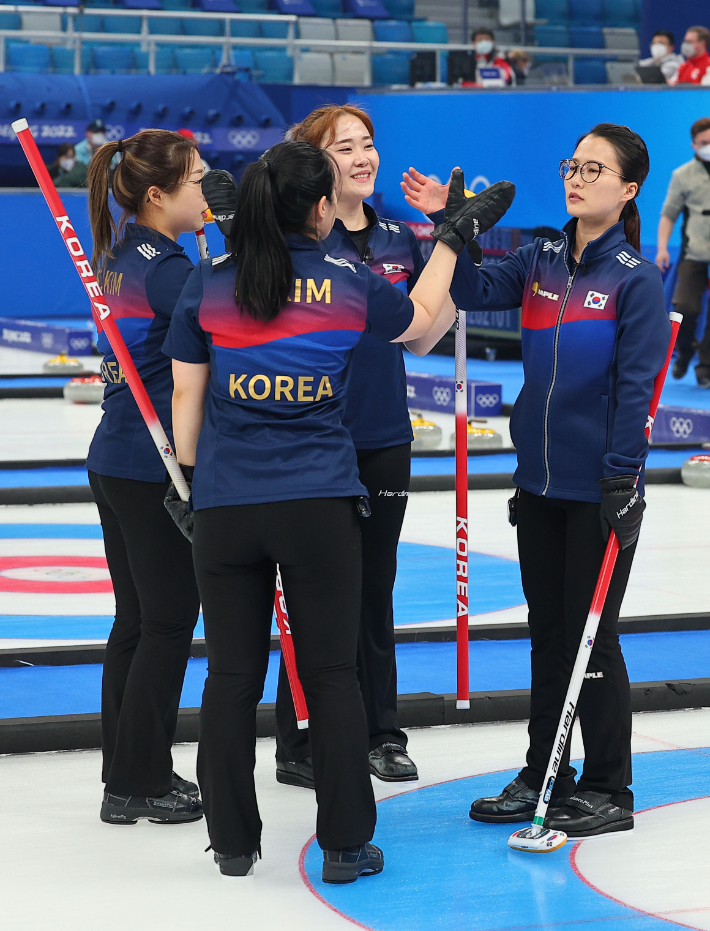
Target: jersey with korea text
{"x": 376, "y": 412}
{"x": 595, "y": 335}
{"x": 141, "y": 284}
{"x": 272, "y": 428}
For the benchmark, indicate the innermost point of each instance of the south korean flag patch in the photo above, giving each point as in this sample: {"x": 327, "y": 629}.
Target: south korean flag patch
{"x": 595, "y": 300}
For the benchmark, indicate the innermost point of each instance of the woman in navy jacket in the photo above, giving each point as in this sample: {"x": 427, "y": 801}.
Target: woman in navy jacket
{"x": 595, "y": 333}
{"x": 142, "y": 270}
{"x": 377, "y": 418}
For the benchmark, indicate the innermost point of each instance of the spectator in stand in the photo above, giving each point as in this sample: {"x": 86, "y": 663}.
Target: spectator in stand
{"x": 696, "y": 68}
{"x": 65, "y": 170}
{"x": 689, "y": 194}
{"x": 487, "y": 57}
{"x": 95, "y": 138}
{"x": 521, "y": 63}
{"x": 663, "y": 54}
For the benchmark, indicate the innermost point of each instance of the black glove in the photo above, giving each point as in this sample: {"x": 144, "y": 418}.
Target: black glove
{"x": 622, "y": 508}
{"x": 181, "y": 511}
{"x": 468, "y": 217}
{"x": 220, "y": 191}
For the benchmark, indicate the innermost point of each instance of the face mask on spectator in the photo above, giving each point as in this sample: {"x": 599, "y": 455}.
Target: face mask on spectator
{"x": 98, "y": 139}
{"x": 659, "y": 50}
{"x": 484, "y": 47}
{"x": 688, "y": 49}
{"x": 66, "y": 164}
{"x": 704, "y": 152}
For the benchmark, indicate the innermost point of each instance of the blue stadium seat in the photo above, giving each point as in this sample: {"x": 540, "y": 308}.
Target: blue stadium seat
{"x": 112, "y": 59}
{"x": 254, "y": 6}
{"x": 99, "y": 4}
{"x": 392, "y": 30}
{"x": 390, "y": 68}
{"x": 205, "y": 27}
{"x": 586, "y": 37}
{"x": 590, "y": 71}
{"x": 84, "y": 22}
{"x": 329, "y": 8}
{"x": 122, "y": 24}
{"x": 164, "y": 60}
{"x": 28, "y": 58}
{"x": 400, "y": 9}
{"x": 295, "y": 7}
{"x": 552, "y": 36}
{"x": 242, "y": 58}
{"x": 177, "y": 4}
{"x": 219, "y": 6}
{"x": 245, "y": 28}
{"x": 620, "y": 13}
{"x": 556, "y": 12}
{"x": 367, "y": 9}
{"x": 10, "y": 21}
{"x": 63, "y": 59}
{"x": 165, "y": 25}
{"x": 273, "y": 66}
{"x": 61, "y": 2}
{"x": 274, "y": 29}
{"x": 139, "y": 4}
{"x": 194, "y": 60}
{"x": 430, "y": 32}
{"x": 585, "y": 12}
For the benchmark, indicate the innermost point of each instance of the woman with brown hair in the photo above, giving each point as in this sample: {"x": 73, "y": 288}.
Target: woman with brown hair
{"x": 377, "y": 418}
{"x": 142, "y": 270}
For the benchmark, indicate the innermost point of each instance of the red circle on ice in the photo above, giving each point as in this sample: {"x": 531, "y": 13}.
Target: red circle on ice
{"x": 54, "y": 574}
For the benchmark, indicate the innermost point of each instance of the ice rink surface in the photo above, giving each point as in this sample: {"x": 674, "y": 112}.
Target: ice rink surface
{"x": 63, "y": 869}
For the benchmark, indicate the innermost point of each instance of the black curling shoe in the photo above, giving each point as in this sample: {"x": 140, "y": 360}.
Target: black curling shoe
{"x": 241, "y": 865}
{"x": 296, "y": 774}
{"x": 185, "y": 786}
{"x": 586, "y": 814}
{"x": 517, "y": 802}
{"x": 390, "y": 763}
{"x": 173, "y": 808}
{"x": 344, "y": 866}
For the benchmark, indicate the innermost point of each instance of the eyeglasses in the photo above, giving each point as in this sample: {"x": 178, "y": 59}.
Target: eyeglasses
{"x": 589, "y": 171}
{"x": 197, "y": 181}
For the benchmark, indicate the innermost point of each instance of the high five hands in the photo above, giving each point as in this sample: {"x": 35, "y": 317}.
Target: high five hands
{"x": 423, "y": 193}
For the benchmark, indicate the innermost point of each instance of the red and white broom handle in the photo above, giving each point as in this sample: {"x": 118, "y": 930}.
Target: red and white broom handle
{"x": 99, "y": 308}
{"x": 593, "y": 618}
{"x": 462, "y": 577}
{"x": 282, "y": 622}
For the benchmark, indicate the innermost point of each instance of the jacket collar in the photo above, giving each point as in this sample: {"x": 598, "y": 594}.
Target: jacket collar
{"x": 304, "y": 243}
{"x": 137, "y": 231}
{"x": 607, "y": 242}
{"x": 370, "y": 216}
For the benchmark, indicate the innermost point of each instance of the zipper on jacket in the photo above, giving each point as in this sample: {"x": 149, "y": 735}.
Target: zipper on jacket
{"x": 570, "y": 282}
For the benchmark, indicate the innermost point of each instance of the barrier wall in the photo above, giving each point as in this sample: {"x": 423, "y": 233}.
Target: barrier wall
{"x": 522, "y": 136}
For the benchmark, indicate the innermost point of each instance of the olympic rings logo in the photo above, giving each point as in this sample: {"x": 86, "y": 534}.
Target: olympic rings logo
{"x": 441, "y": 395}
{"x": 243, "y": 138}
{"x": 487, "y": 400}
{"x": 682, "y": 427}
{"x": 114, "y": 132}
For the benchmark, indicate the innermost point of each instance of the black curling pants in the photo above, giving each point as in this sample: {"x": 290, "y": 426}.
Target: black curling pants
{"x": 316, "y": 543}
{"x": 561, "y": 550}
{"x": 157, "y": 605}
{"x": 687, "y": 300}
{"x": 385, "y": 474}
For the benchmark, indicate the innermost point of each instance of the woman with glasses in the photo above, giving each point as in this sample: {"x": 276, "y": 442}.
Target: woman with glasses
{"x": 595, "y": 334}
{"x": 142, "y": 270}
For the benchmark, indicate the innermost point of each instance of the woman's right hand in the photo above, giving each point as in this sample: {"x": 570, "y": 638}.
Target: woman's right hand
{"x": 663, "y": 259}
{"x": 423, "y": 193}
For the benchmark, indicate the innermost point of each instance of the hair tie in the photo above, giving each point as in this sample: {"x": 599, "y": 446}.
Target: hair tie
{"x": 120, "y": 145}
{"x": 269, "y": 166}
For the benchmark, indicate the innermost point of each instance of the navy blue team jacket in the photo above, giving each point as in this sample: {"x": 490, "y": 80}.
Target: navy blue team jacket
{"x": 142, "y": 285}
{"x": 595, "y": 335}
{"x": 376, "y": 413}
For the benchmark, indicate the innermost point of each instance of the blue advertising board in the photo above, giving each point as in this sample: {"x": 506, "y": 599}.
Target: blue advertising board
{"x": 436, "y": 393}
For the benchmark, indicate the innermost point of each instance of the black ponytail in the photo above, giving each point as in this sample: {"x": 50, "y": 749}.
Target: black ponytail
{"x": 276, "y": 196}
{"x": 634, "y": 163}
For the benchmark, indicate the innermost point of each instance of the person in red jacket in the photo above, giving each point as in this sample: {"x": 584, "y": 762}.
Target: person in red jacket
{"x": 696, "y": 68}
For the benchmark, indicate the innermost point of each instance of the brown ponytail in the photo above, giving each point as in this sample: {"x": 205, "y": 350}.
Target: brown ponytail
{"x": 634, "y": 163}
{"x": 151, "y": 158}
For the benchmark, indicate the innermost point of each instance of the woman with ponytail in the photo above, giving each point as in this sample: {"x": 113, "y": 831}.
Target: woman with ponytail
{"x": 595, "y": 335}
{"x": 261, "y": 340}
{"x": 142, "y": 270}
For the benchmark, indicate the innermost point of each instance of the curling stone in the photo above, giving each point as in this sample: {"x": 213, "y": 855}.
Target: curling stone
{"x": 427, "y": 435}
{"x": 480, "y": 438}
{"x": 696, "y": 472}
{"x": 63, "y": 365}
{"x": 85, "y": 390}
